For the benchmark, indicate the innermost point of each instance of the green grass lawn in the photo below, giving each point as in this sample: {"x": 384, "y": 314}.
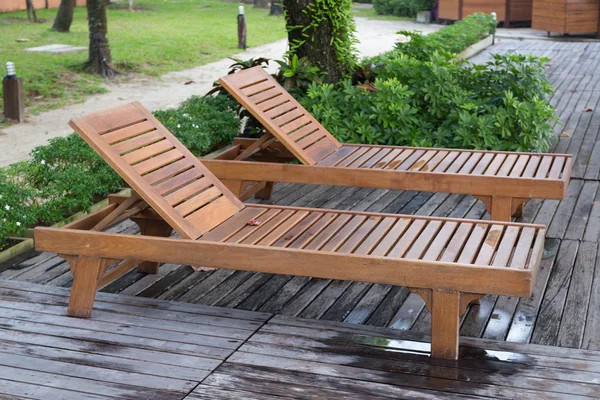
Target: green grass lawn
{"x": 160, "y": 36}
{"x": 371, "y": 14}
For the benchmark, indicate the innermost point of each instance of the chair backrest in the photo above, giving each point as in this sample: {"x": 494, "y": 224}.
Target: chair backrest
{"x": 281, "y": 114}
{"x": 159, "y": 168}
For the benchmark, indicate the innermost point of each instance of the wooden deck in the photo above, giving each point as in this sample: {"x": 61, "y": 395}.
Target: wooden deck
{"x": 564, "y": 311}
{"x": 565, "y": 308}
{"x": 136, "y": 348}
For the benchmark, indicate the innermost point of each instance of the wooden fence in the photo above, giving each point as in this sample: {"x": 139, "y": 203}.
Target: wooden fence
{"x": 19, "y": 5}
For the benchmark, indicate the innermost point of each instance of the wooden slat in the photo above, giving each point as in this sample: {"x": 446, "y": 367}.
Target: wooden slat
{"x": 440, "y": 241}
{"x": 544, "y": 167}
{"x": 137, "y": 142}
{"x": 388, "y": 158}
{"x": 313, "y": 231}
{"x": 531, "y": 168}
{"x": 266, "y": 228}
{"x": 490, "y": 244}
{"x": 359, "y": 235}
{"x": 294, "y": 233}
{"x": 456, "y": 244}
{"x": 376, "y": 159}
{"x": 409, "y": 236}
{"x": 157, "y": 162}
{"x": 519, "y": 167}
{"x": 468, "y": 166}
{"x": 435, "y": 161}
{"x": 177, "y": 181}
{"x": 247, "y": 228}
{"x": 257, "y": 88}
{"x": 423, "y": 241}
{"x": 196, "y": 203}
{"x": 128, "y": 132}
{"x": 374, "y": 238}
{"x": 268, "y": 95}
{"x": 281, "y": 109}
{"x": 187, "y": 191}
{"x": 351, "y": 157}
{"x": 283, "y": 228}
{"x": 328, "y": 232}
{"x": 557, "y": 167}
{"x": 391, "y": 237}
{"x": 522, "y": 248}
{"x": 299, "y": 134}
{"x": 338, "y": 156}
{"x": 269, "y": 104}
{"x": 310, "y": 139}
{"x": 420, "y": 163}
{"x": 483, "y": 164}
{"x": 473, "y": 244}
{"x": 505, "y": 248}
{"x": 447, "y": 161}
{"x": 234, "y": 224}
{"x": 406, "y": 164}
{"x": 507, "y": 165}
{"x": 458, "y": 162}
{"x": 495, "y": 165}
{"x": 168, "y": 171}
{"x": 146, "y": 152}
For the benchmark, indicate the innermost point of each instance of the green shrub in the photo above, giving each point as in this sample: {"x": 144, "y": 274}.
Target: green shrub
{"x": 452, "y": 39}
{"x": 17, "y": 208}
{"x": 202, "y": 123}
{"x": 442, "y": 103}
{"x": 401, "y": 8}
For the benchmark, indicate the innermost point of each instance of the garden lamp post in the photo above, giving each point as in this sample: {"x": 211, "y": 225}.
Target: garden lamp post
{"x": 14, "y": 97}
{"x": 241, "y": 28}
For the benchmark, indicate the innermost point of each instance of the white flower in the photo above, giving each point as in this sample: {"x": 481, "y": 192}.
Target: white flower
{"x": 179, "y": 125}
{"x": 43, "y": 162}
{"x": 7, "y": 207}
{"x": 18, "y": 223}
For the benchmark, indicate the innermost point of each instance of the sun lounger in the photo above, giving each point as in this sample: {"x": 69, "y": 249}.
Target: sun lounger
{"x": 504, "y": 181}
{"x": 448, "y": 262}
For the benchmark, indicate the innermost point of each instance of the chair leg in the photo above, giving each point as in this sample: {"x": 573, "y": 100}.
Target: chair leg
{"x": 234, "y": 185}
{"x": 265, "y": 193}
{"x": 152, "y": 227}
{"x": 501, "y": 209}
{"x": 445, "y": 324}
{"x": 86, "y": 270}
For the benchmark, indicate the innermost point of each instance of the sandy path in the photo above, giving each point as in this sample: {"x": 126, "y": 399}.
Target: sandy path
{"x": 168, "y": 91}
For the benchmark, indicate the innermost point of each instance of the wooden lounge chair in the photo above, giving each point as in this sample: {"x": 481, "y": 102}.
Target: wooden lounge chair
{"x": 504, "y": 181}
{"x": 449, "y": 262}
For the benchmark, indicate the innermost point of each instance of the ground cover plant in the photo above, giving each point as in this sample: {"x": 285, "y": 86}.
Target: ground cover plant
{"x": 67, "y": 176}
{"x": 401, "y": 8}
{"x": 159, "y": 37}
{"x": 420, "y": 94}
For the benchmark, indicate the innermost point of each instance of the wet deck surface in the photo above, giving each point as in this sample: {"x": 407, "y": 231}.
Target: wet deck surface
{"x": 564, "y": 310}
{"x": 135, "y": 348}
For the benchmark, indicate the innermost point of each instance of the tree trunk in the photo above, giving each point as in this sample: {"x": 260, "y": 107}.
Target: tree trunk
{"x": 31, "y": 9}
{"x": 99, "y": 50}
{"x": 64, "y": 16}
{"x": 317, "y": 45}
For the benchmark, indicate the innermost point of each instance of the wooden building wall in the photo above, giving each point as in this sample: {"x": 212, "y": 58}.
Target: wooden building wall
{"x": 566, "y": 16}
{"x": 19, "y": 5}
{"x": 520, "y": 10}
